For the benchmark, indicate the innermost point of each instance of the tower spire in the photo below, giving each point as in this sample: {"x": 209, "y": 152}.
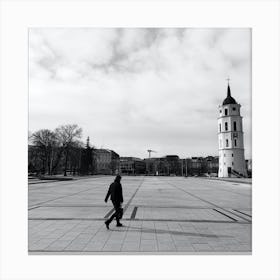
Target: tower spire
{"x": 228, "y": 88}
{"x": 229, "y": 99}
{"x": 228, "y": 91}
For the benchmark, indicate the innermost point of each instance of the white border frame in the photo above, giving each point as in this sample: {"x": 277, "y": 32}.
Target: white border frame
{"x": 17, "y": 16}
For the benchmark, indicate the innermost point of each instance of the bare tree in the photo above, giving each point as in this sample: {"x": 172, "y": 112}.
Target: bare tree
{"x": 68, "y": 136}
{"x": 75, "y": 156}
{"x": 45, "y": 140}
{"x": 30, "y": 134}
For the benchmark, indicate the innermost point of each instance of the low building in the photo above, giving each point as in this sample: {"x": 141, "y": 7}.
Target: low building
{"x": 212, "y": 165}
{"x": 201, "y": 166}
{"x": 170, "y": 165}
{"x": 107, "y": 161}
{"x": 151, "y": 166}
{"x": 174, "y": 165}
{"x": 249, "y": 167}
{"x": 132, "y": 166}
{"x": 195, "y": 166}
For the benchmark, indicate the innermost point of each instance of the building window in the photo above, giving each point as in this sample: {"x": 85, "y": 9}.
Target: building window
{"x": 226, "y": 112}
{"x": 220, "y": 111}
{"x": 220, "y": 127}
{"x": 234, "y": 126}
{"x": 232, "y": 155}
{"x": 224, "y": 155}
{"x": 226, "y": 142}
{"x": 235, "y": 142}
{"x": 232, "y": 163}
{"x": 233, "y": 108}
{"x": 226, "y": 126}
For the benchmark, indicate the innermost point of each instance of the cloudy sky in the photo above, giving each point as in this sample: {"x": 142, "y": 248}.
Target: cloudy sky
{"x": 137, "y": 89}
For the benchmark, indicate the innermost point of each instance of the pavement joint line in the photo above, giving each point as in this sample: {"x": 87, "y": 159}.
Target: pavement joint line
{"x": 225, "y": 215}
{"x": 76, "y": 252}
{"x": 227, "y": 180}
{"x": 128, "y": 203}
{"x": 103, "y": 206}
{"x": 44, "y": 182}
{"x": 242, "y": 213}
{"x": 140, "y": 236}
{"x": 109, "y": 213}
{"x": 125, "y": 236}
{"x": 173, "y": 206}
{"x": 133, "y": 214}
{"x": 109, "y": 236}
{"x": 136, "y": 219}
{"x": 174, "y": 244}
{"x": 34, "y": 207}
{"x": 237, "y": 215}
{"x": 67, "y": 205}
{"x": 156, "y": 234}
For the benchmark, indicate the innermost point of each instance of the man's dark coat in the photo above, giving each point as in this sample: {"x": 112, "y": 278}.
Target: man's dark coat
{"x": 115, "y": 191}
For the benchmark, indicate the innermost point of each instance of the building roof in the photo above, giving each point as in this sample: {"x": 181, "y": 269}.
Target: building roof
{"x": 229, "y": 99}
{"x": 102, "y": 151}
{"x": 105, "y": 151}
{"x": 171, "y": 156}
{"x": 130, "y": 158}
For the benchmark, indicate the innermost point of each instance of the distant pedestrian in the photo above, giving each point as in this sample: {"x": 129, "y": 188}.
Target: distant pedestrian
{"x": 115, "y": 192}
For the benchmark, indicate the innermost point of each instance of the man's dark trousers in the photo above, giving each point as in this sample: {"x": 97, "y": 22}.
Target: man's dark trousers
{"x": 116, "y": 214}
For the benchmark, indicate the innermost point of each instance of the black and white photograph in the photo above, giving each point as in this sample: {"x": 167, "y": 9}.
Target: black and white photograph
{"x": 139, "y": 140}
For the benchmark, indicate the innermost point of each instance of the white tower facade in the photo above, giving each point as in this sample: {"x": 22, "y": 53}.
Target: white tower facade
{"x": 230, "y": 137}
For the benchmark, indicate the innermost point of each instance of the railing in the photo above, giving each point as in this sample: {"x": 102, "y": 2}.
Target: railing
{"x": 237, "y": 174}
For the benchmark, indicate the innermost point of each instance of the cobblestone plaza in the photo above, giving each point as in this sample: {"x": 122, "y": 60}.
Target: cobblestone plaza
{"x": 161, "y": 215}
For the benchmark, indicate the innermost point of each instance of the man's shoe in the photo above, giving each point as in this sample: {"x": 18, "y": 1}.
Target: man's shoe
{"x": 107, "y": 224}
{"x": 119, "y": 225}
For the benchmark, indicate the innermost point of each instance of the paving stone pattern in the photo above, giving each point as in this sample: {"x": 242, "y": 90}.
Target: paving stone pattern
{"x": 162, "y": 215}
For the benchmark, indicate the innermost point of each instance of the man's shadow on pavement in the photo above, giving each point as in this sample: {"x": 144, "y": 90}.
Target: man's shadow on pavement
{"x": 162, "y": 231}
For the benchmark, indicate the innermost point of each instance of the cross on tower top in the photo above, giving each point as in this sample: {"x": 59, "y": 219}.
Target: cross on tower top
{"x": 228, "y": 79}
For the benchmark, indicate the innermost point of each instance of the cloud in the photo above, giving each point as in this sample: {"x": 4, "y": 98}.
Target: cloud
{"x": 135, "y": 88}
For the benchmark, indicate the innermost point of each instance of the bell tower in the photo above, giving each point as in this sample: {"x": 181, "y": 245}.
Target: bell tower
{"x": 230, "y": 137}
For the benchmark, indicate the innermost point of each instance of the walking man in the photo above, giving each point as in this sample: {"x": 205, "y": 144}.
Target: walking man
{"x": 115, "y": 192}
